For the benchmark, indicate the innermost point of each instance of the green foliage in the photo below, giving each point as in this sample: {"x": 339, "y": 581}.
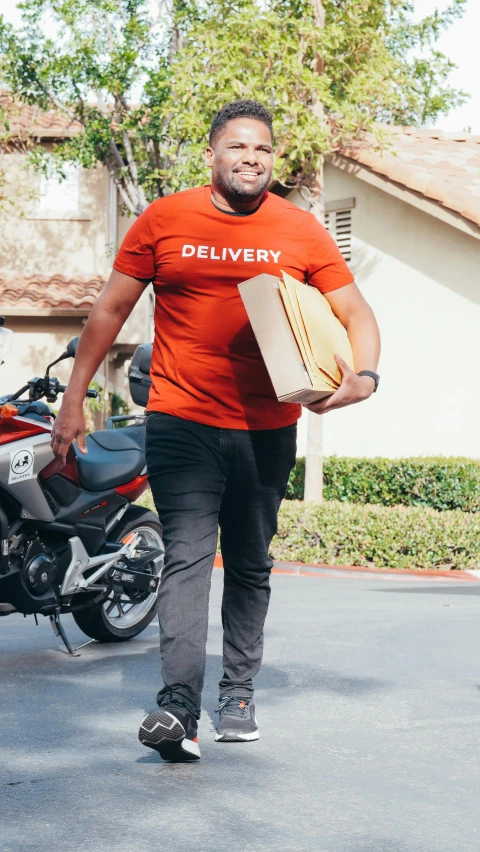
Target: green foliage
{"x": 118, "y": 405}
{"x": 17, "y": 190}
{"x": 144, "y": 89}
{"x": 91, "y": 406}
{"x": 335, "y": 533}
{"x": 296, "y": 482}
{"x": 396, "y": 537}
{"x": 147, "y": 500}
{"x": 440, "y": 483}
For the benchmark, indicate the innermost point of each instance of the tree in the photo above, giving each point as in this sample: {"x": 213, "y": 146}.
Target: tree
{"x": 144, "y": 89}
{"x": 15, "y": 193}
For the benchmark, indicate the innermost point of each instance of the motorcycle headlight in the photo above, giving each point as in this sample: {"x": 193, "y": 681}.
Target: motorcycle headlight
{"x": 6, "y": 338}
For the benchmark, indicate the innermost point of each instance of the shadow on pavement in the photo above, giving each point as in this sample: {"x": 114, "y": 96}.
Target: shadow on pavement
{"x": 467, "y": 589}
{"x": 297, "y": 678}
{"x": 65, "y": 710}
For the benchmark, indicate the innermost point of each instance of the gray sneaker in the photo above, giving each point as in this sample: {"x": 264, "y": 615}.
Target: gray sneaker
{"x": 236, "y": 720}
{"x": 172, "y": 731}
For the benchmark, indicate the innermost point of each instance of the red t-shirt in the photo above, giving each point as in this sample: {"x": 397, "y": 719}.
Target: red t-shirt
{"x": 206, "y": 365}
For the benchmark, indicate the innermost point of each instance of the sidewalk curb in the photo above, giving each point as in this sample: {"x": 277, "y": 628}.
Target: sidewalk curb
{"x": 307, "y": 569}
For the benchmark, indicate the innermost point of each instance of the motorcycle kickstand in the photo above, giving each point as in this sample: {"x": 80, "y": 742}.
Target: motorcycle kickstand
{"x": 57, "y": 628}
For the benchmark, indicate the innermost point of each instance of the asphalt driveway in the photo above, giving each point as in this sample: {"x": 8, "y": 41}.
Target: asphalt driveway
{"x": 368, "y": 704}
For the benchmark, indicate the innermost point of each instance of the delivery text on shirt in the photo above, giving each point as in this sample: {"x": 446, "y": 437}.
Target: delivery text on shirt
{"x": 245, "y": 254}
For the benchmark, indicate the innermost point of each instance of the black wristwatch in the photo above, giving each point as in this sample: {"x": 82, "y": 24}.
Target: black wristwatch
{"x": 372, "y": 375}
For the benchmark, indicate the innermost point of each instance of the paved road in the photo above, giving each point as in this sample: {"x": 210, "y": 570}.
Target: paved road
{"x": 368, "y": 701}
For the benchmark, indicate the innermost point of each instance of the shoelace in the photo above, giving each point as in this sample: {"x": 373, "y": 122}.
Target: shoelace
{"x": 231, "y": 706}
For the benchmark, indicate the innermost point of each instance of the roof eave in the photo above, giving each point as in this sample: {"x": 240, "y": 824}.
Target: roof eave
{"x": 13, "y": 311}
{"x": 409, "y": 196}
{"x": 52, "y": 134}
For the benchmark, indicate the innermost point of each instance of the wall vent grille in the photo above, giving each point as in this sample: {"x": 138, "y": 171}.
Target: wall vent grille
{"x": 339, "y": 225}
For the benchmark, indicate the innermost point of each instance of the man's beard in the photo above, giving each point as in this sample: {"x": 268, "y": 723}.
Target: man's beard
{"x": 231, "y": 186}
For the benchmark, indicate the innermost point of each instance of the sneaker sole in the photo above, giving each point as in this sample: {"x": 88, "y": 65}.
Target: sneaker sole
{"x": 233, "y": 737}
{"x": 162, "y": 732}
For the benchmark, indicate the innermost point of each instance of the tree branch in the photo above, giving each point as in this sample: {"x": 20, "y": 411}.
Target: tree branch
{"x": 125, "y": 198}
{"x": 116, "y": 154}
{"x": 133, "y": 169}
{"x": 61, "y": 106}
{"x": 109, "y": 32}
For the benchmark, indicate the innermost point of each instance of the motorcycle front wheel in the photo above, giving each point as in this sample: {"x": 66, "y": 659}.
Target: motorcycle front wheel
{"x": 119, "y": 617}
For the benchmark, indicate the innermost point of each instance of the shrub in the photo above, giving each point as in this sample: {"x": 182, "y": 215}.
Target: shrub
{"x": 440, "y": 483}
{"x": 385, "y": 537}
{"x": 296, "y": 482}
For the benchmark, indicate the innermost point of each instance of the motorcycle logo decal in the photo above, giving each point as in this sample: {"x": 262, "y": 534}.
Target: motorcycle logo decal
{"x": 21, "y": 465}
{"x": 94, "y": 508}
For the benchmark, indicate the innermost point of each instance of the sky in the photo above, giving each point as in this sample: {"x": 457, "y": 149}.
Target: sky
{"x": 459, "y": 43}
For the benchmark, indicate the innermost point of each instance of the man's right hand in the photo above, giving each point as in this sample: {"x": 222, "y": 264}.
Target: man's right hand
{"x": 69, "y": 426}
{"x": 105, "y": 321}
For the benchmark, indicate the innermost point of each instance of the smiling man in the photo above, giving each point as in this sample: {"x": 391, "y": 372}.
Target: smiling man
{"x": 220, "y": 446}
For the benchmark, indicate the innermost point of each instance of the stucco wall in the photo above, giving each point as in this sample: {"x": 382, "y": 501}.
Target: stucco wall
{"x": 40, "y": 340}
{"x": 36, "y": 240}
{"x": 139, "y": 326}
{"x": 42, "y": 242}
{"x": 422, "y": 278}
{"x": 37, "y": 342}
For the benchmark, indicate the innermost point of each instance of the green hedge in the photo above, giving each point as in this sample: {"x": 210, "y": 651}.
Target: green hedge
{"x": 385, "y": 537}
{"x": 351, "y": 534}
{"x": 440, "y": 483}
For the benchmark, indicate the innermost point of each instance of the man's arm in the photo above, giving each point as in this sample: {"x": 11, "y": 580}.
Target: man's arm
{"x": 108, "y": 315}
{"x": 357, "y": 317}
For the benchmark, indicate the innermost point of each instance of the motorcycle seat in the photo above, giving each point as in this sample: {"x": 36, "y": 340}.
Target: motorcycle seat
{"x": 114, "y": 456}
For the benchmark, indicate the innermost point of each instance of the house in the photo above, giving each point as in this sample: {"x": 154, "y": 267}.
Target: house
{"x": 56, "y": 253}
{"x": 408, "y": 222}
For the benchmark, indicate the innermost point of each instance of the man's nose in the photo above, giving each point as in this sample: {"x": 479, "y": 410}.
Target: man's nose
{"x": 250, "y": 155}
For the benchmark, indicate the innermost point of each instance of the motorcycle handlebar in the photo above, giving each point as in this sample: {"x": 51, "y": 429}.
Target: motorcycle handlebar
{"x": 91, "y": 394}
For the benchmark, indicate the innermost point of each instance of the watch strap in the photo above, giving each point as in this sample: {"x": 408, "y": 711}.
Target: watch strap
{"x": 372, "y": 375}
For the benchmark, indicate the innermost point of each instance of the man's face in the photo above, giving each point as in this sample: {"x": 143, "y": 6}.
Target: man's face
{"x": 241, "y": 159}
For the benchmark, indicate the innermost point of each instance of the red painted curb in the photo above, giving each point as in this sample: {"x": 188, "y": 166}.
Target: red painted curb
{"x": 317, "y": 571}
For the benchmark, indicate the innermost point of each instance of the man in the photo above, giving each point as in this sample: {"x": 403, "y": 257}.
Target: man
{"x": 220, "y": 446}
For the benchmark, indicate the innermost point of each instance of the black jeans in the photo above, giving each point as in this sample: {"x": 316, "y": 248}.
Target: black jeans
{"x": 203, "y": 477}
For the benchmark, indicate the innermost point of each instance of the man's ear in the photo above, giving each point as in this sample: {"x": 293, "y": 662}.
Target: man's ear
{"x": 208, "y": 156}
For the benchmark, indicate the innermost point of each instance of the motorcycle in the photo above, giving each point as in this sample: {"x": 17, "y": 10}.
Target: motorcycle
{"x": 72, "y": 539}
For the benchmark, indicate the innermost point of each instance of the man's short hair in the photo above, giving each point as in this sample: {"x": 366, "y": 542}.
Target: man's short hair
{"x": 239, "y": 109}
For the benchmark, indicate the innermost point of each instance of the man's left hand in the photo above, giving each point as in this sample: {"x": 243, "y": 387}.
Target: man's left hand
{"x": 353, "y": 389}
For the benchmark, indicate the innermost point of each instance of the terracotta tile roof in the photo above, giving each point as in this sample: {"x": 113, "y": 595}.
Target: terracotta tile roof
{"x": 40, "y": 294}
{"x": 28, "y": 120}
{"x": 444, "y": 167}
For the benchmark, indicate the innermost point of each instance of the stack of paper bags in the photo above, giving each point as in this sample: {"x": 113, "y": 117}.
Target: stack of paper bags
{"x": 298, "y": 335}
{"x": 318, "y": 332}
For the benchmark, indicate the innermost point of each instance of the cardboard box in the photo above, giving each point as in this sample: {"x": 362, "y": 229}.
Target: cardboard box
{"x": 276, "y": 340}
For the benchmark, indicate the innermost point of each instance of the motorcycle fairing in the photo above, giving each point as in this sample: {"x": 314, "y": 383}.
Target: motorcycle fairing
{"x": 27, "y": 492}
{"x": 90, "y": 512}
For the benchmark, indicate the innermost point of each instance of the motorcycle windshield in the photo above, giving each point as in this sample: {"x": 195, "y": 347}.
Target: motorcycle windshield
{"x": 6, "y": 338}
